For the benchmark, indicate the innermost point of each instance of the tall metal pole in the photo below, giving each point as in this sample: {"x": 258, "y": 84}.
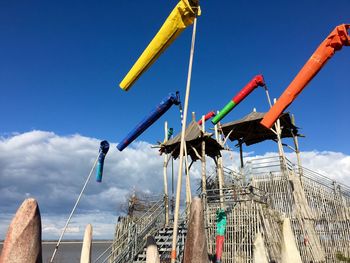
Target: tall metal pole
{"x": 179, "y": 176}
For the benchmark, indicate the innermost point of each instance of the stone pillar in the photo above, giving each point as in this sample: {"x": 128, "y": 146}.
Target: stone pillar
{"x": 23, "y": 239}
{"x": 196, "y": 242}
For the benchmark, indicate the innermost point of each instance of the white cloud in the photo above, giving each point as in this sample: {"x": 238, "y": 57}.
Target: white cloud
{"x": 53, "y": 169}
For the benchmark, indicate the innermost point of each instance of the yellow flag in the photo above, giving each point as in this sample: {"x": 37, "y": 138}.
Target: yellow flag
{"x": 182, "y": 16}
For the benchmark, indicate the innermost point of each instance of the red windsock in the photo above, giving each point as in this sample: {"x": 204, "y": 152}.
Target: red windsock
{"x": 219, "y": 248}
{"x": 207, "y": 117}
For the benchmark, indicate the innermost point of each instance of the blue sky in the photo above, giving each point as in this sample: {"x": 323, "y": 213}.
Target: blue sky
{"x": 61, "y": 63}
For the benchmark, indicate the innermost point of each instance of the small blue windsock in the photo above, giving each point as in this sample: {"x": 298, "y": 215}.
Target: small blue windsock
{"x": 153, "y": 116}
{"x": 104, "y": 147}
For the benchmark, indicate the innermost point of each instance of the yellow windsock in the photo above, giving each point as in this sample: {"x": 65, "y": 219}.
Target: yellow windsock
{"x": 182, "y": 16}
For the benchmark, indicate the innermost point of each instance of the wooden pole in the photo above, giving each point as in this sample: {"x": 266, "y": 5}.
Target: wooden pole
{"x": 172, "y": 188}
{"x": 86, "y": 249}
{"x": 280, "y": 146}
{"x": 241, "y": 153}
{"x": 165, "y": 164}
{"x": 278, "y": 133}
{"x": 179, "y": 177}
{"x": 277, "y": 125}
{"x": 204, "y": 179}
{"x": 188, "y": 184}
{"x": 219, "y": 169}
{"x": 297, "y": 150}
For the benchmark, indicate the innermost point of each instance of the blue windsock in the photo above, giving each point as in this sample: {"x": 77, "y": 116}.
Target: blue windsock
{"x": 170, "y": 133}
{"x": 154, "y": 115}
{"x": 104, "y": 147}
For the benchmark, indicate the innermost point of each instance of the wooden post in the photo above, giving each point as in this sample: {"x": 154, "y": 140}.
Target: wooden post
{"x": 172, "y": 188}
{"x": 188, "y": 183}
{"x": 204, "y": 179}
{"x": 280, "y": 146}
{"x": 277, "y": 127}
{"x": 241, "y": 153}
{"x": 86, "y": 249}
{"x": 23, "y": 239}
{"x": 165, "y": 178}
{"x": 297, "y": 150}
{"x": 179, "y": 177}
{"x": 278, "y": 131}
{"x": 219, "y": 169}
{"x": 278, "y": 134}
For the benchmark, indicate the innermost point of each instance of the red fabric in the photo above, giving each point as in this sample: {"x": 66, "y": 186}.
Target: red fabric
{"x": 254, "y": 83}
{"x": 219, "y": 247}
{"x": 207, "y": 117}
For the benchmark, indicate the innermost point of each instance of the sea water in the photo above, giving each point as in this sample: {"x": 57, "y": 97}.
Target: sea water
{"x": 69, "y": 251}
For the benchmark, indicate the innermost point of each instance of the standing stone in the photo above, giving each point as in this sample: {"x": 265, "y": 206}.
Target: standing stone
{"x": 152, "y": 255}
{"x": 196, "y": 242}
{"x": 86, "y": 249}
{"x": 23, "y": 238}
{"x": 289, "y": 251}
{"x": 259, "y": 251}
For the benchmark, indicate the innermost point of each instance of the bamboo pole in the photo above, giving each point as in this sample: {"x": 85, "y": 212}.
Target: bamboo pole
{"x": 277, "y": 124}
{"x": 297, "y": 150}
{"x": 204, "y": 180}
{"x": 165, "y": 164}
{"x": 172, "y": 188}
{"x": 179, "y": 177}
{"x": 219, "y": 170}
{"x": 188, "y": 184}
{"x": 241, "y": 153}
{"x": 204, "y": 187}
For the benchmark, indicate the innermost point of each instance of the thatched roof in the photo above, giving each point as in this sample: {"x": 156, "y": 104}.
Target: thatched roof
{"x": 249, "y": 130}
{"x": 193, "y": 137}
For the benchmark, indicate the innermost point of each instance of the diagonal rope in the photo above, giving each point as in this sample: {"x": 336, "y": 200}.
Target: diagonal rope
{"x": 73, "y": 210}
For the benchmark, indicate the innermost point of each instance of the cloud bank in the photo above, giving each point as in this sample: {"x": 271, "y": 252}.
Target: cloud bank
{"x": 53, "y": 169}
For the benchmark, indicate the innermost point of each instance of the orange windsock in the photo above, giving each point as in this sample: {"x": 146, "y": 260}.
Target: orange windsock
{"x": 334, "y": 42}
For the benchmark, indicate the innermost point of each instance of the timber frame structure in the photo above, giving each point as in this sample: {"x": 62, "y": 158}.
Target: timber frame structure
{"x": 271, "y": 199}
{"x": 318, "y": 209}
